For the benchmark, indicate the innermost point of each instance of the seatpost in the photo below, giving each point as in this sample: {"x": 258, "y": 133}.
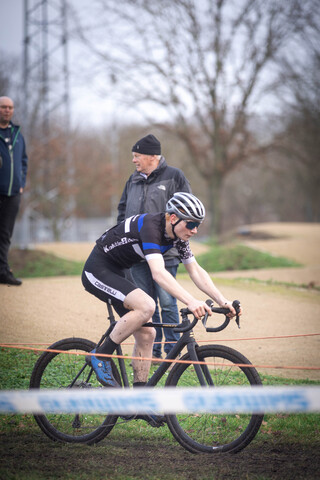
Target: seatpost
{"x": 110, "y": 311}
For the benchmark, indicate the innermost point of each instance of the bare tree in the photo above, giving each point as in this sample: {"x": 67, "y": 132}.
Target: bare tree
{"x": 195, "y": 68}
{"x": 9, "y": 75}
{"x": 299, "y": 140}
{"x": 4, "y": 76}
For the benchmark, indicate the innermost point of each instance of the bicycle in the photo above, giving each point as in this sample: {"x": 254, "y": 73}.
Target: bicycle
{"x": 203, "y": 432}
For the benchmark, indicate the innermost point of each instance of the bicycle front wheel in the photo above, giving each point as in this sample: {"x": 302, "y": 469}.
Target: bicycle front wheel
{"x": 207, "y": 432}
{"x": 69, "y": 370}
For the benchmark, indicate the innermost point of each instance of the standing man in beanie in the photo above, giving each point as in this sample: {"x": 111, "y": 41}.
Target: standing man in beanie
{"x": 147, "y": 191}
{"x": 13, "y": 173}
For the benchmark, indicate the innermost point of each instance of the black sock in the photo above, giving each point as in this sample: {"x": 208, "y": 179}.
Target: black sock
{"x": 139, "y": 384}
{"x": 107, "y": 347}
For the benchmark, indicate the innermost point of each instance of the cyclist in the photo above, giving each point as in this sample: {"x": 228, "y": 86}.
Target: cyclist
{"x": 145, "y": 237}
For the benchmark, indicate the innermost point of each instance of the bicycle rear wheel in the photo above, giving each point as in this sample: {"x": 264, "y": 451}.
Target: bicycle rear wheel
{"x": 208, "y": 432}
{"x": 59, "y": 370}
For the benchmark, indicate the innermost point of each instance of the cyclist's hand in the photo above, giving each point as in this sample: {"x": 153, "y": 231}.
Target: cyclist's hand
{"x": 199, "y": 308}
{"x": 232, "y": 313}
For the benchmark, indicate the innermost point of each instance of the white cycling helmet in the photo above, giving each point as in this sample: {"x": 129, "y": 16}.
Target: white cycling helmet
{"x": 186, "y": 206}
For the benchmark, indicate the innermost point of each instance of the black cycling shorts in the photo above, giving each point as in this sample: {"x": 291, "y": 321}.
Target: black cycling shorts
{"x": 107, "y": 281}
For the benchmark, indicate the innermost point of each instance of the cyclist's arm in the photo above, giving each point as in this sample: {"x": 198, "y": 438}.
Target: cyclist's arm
{"x": 203, "y": 281}
{"x": 170, "y": 284}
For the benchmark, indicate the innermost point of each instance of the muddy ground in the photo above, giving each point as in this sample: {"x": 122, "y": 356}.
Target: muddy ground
{"x": 145, "y": 458}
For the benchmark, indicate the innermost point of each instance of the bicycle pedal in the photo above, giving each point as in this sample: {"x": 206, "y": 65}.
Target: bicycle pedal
{"x": 127, "y": 418}
{"x": 155, "y": 421}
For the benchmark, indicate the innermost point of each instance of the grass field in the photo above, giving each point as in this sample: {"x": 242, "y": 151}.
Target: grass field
{"x": 135, "y": 450}
{"x": 35, "y": 263}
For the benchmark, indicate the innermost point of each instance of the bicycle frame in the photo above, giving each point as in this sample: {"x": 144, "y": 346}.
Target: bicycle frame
{"x": 186, "y": 340}
{"x": 197, "y": 433}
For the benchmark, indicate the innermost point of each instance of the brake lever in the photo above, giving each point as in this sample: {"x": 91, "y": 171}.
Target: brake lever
{"x": 204, "y": 320}
{"x": 236, "y": 306}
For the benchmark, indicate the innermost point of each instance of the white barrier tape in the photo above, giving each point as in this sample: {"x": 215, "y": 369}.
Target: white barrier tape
{"x": 165, "y": 400}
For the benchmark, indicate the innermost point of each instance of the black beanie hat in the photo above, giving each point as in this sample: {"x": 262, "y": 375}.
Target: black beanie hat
{"x": 148, "y": 145}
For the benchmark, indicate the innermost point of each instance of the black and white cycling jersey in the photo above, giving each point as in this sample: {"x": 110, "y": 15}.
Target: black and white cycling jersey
{"x": 139, "y": 238}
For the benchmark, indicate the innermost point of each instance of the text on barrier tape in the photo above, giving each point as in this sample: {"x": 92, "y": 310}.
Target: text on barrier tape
{"x": 167, "y": 400}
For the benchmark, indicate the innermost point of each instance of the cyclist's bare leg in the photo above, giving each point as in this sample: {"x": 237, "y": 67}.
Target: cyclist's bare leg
{"x": 144, "y": 339}
{"x": 142, "y": 307}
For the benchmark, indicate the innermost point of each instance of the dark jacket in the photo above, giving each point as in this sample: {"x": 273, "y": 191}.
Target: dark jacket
{"x": 13, "y": 163}
{"x": 150, "y": 194}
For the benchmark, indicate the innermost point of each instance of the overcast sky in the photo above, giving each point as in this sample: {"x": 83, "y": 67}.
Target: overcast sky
{"x": 11, "y": 31}
{"x": 86, "y": 107}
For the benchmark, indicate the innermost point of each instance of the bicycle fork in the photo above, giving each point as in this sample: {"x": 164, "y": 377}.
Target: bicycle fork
{"x": 202, "y": 371}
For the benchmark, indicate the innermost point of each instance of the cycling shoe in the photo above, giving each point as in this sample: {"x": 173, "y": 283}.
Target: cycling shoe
{"x": 103, "y": 370}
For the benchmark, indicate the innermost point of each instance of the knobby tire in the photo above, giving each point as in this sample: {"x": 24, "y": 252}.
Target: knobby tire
{"x": 210, "y": 432}
{"x": 58, "y": 370}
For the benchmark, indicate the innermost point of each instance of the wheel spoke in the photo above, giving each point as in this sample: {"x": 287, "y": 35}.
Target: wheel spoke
{"x": 69, "y": 370}
{"x": 207, "y": 432}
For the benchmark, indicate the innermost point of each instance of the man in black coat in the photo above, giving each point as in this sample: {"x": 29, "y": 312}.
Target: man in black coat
{"x": 147, "y": 191}
{"x": 13, "y": 173}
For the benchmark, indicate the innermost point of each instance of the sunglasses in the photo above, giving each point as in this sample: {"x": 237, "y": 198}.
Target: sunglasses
{"x": 192, "y": 225}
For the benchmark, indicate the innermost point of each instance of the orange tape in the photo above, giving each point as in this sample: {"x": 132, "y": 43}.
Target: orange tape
{"x": 285, "y": 367}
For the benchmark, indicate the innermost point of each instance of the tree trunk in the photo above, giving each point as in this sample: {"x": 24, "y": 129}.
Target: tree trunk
{"x": 213, "y": 214}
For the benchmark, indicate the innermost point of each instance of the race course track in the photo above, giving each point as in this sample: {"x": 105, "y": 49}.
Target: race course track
{"x": 44, "y": 310}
